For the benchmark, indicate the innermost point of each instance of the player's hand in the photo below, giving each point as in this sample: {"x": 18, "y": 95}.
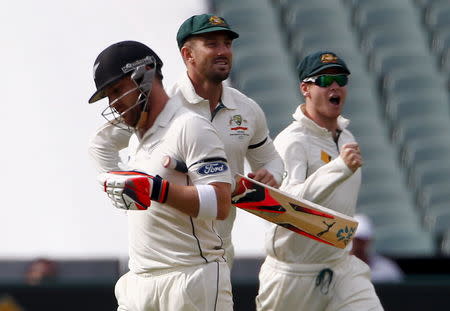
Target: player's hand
{"x": 132, "y": 190}
{"x": 351, "y": 155}
{"x": 264, "y": 176}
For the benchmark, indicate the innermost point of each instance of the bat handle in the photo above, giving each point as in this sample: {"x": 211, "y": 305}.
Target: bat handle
{"x": 172, "y": 163}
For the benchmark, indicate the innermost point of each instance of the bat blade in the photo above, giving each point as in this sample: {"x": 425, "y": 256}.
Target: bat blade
{"x": 298, "y": 215}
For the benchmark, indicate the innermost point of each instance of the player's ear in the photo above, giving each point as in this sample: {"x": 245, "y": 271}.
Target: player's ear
{"x": 304, "y": 89}
{"x": 186, "y": 53}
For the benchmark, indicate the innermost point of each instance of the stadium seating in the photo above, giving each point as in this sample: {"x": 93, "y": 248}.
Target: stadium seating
{"x": 430, "y": 173}
{"x": 421, "y": 127}
{"x": 435, "y": 195}
{"x": 386, "y": 199}
{"x": 445, "y": 61}
{"x": 303, "y": 18}
{"x": 403, "y": 81}
{"x": 409, "y": 105}
{"x": 367, "y": 18}
{"x": 360, "y": 104}
{"x": 398, "y": 95}
{"x": 440, "y": 40}
{"x": 425, "y": 150}
{"x": 392, "y": 215}
{"x": 92, "y": 270}
{"x": 423, "y": 4}
{"x": 437, "y": 15}
{"x": 444, "y": 243}
{"x": 437, "y": 219}
{"x": 389, "y": 59}
{"x": 385, "y": 37}
{"x": 403, "y": 240}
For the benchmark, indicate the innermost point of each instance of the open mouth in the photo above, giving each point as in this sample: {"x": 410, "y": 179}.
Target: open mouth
{"x": 335, "y": 100}
{"x": 221, "y": 61}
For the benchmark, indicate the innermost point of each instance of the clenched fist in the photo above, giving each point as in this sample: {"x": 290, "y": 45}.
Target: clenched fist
{"x": 351, "y": 154}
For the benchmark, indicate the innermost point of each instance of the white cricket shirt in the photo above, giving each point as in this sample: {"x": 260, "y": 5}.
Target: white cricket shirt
{"x": 162, "y": 237}
{"x": 316, "y": 172}
{"x": 105, "y": 146}
{"x": 242, "y": 127}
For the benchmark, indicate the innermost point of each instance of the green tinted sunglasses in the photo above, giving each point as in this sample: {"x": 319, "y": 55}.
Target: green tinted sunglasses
{"x": 327, "y": 80}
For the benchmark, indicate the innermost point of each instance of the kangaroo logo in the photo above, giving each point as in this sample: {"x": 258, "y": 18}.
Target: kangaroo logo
{"x": 326, "y": 230}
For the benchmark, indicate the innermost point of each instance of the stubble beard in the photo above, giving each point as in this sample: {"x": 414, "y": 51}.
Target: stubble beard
{"x": 218, "y": 77}
{"x": 131, "y": 117}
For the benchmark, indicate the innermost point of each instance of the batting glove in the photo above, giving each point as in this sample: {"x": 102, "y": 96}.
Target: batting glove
{"x": 132, "y": 190}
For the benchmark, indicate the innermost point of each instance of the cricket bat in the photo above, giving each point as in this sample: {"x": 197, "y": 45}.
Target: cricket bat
{"x": 298, "y": 215}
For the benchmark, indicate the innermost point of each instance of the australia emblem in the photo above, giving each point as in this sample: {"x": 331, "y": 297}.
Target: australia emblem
{"x": 237, "y": 126}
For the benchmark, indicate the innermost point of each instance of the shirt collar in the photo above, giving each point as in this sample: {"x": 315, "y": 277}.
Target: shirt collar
{"x": 185, "y": 86}
{"x": 165, "y": 116}
{"x": 188, "y": 90}
{"x": 302, "y": 118}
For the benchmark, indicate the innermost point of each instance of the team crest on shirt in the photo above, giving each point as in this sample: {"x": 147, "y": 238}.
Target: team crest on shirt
{"x": 325, "y": 157}
{"x": 238, "y": 126}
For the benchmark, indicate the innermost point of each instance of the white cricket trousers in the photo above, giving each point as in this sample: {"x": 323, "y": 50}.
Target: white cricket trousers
{"x": 205, "y": 287}
{"x": 342, "y": 286}
{"x": 229, "y": 251}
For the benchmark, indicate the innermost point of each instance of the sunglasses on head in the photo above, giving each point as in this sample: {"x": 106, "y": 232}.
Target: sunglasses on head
{"x": 327, "y": 80}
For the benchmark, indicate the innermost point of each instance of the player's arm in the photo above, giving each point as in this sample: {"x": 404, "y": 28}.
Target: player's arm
{"x": 133, "y": 190}
{"x": 187, "y": 200}
{"x": 265, "y": 162}
{"x": 207, "y": 165}
{"x": 105, "y": 145}
{"x": 324, "y": 180}
{"x": 296, "y": 165}
{"x": 210, "y": 195}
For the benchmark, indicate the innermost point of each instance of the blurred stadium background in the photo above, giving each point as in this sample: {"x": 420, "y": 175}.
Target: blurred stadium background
{"x": 398, "y": 102}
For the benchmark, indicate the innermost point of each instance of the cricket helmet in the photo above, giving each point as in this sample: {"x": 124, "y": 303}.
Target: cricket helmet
{"x": 119, "y": 60}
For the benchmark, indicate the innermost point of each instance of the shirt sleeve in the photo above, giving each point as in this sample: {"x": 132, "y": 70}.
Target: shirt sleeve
{"x": 295, "y": 161}
{"x": 324, "y": 181}
{"x": 317, "y": 186}
{"x": 261, "y": 152}
{"x": 204, "y": 152}
{"x": 105, "y": 145}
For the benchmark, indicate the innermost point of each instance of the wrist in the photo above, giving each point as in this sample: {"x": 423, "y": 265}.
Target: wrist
{"x": 207, "y": 207}
{"x": 160, "y": 189}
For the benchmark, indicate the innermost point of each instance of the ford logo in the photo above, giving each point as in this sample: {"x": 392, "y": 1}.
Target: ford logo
{"x": 212, "y": 168}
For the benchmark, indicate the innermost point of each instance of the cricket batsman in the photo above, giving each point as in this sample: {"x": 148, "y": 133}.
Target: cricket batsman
{"x": 176, "y": 258}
